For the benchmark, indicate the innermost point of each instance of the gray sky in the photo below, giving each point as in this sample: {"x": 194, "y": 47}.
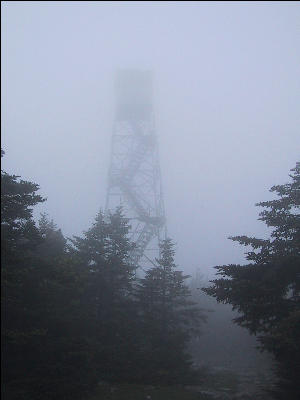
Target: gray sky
{"x": 227, "y": 109}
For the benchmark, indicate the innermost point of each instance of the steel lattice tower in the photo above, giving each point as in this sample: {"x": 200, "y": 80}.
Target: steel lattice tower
{"x": 134, "y": 179}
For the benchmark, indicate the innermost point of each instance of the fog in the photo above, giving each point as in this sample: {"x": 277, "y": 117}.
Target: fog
{"x": 226, "y": 100}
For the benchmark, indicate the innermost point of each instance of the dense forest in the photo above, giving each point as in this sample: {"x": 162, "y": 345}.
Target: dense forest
{"x": 75, "y": 312}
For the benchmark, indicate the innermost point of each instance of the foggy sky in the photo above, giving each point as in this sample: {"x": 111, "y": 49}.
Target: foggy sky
{"x": 226, "y": 98}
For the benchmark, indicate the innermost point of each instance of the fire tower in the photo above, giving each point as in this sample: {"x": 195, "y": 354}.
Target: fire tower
{"x": 134, "y": 179}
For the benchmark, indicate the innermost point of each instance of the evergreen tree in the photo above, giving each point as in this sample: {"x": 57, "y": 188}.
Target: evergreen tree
{"x": 18, "y": 230}
{"x": 104, "y": 252}
{"x": 44, "y": 352}
{"x": 266, "y": 291}
{"x": 19, "y": 239}
{"x": 169, "y": 318}
{"x": 54, "y": 243}
{"x": 66, "y": 368}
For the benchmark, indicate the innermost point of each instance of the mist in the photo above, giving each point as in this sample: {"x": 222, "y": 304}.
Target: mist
{"x": 226, "y": 98}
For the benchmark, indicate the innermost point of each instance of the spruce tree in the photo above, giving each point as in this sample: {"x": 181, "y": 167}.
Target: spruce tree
{"x": 45, "y": 353}
{"x": 169, "y": 319}
{"x": 19, "y": 239}
{"x": 104, "y": 253}
{"x": 266, "y": 292}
